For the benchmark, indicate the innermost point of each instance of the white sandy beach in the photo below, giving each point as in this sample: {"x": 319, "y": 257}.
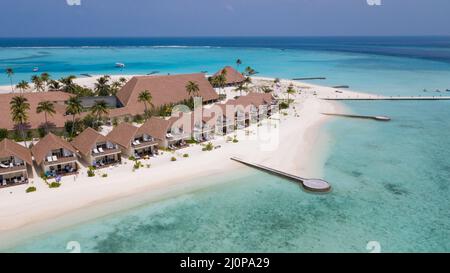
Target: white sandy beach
{"x": 299, "y": 149}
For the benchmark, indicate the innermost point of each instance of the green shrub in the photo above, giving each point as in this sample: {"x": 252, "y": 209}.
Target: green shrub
{"x": 105, "y": 175}
{"x": 191, "y": 141}
{"x": 3, "y": 133}
{"x": 235, "y": 140}
{"x": 30, "y": 189}
{"x": 91, "y": 171}
{"x": 138, "y": 119}
{"x": 115, "y": 122}
{"x": 132, "y": 158}
{"x": 283, "y": 105}
{"x": 208, "y": 147}
{"x": 148, "y": 166}
{"x": 54, "y": 185}
{"x": 186, "y": 155}
{"x": 137, "y": 165}
{"x": 173, "y": 158}
{"x": 42, "y": 132}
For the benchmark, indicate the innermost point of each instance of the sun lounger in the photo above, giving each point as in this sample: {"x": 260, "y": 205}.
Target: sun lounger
{"x": 4, "y": 166}
{"x": 96, "y": 151}
{"x": 101, "y": 150}
{"x": 54, "y": 158}
{"x": 49, "y": 159}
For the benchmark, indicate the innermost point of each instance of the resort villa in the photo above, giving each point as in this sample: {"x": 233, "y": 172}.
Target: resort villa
{"x": 204, "y": 127}
{"x": 170, "y": 133}
{"x": 55, "y": 156}
{"x": 165, "y": 90}
{"x": 133, "y": 141}
{"x": 96, "y": 149}
{"x": 225, "y": 122}
{"x": 232, "y": 76}
{"x": 15, "y": 163}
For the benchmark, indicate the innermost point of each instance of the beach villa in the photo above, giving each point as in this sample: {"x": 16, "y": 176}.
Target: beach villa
{"x": 55, "y": 156}
{"x": 204, "y": 128}
{"x": 15, "y": 163}
{"x": 96, "y": 149}
{"x": 164, "y": 89}
{"x": 134, "y": 141}
{"x": 232, "y": 76}
{"x": 225, "y": 121}
{"x": 170, "y": 133}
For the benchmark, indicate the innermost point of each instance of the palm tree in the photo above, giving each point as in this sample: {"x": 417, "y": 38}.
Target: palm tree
{"x": 10, "y": 72}
{"x": 192, "y": 88}
{"x": 45, "y": 77}
{"x": 74, "y": 108}
{"x": 22, "y": 86}
{"x": 68, "y": 84}
{"x": 290, "y": 90}
{"x": 146, "y": 98}
{"x": 241, "y": 87}
{"x": 55, "y": 85}
{"x": 238, "y": 63}
{"x": 122, "y": 80}
{"x": 38, "y": 83}
{"x": 19, "y": 108}
{"x": 249, "y": 71}
{"x": 102, "y": 87}
{"x": 48, "y": 108}
{"x": 115, "y": 87}
{"x": 222, "y": 80}
{"x": 99, "y": 109}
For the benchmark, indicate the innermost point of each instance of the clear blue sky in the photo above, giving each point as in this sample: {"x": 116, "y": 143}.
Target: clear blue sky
{"x": 114, "y": 18}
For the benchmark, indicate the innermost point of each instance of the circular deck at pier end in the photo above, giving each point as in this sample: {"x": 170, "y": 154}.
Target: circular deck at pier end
{"x": 316, "y": 185}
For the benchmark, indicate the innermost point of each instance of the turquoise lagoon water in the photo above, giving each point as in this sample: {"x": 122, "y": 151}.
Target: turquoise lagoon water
{"x": 390, "y": 180}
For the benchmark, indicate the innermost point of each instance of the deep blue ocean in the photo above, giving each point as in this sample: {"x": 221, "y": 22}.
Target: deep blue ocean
{"x": 390, "y": 180}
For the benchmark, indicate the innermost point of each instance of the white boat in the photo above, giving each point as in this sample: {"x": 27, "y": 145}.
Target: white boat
{"x": 120, "y": 65}
{"x": 35, "y": 69}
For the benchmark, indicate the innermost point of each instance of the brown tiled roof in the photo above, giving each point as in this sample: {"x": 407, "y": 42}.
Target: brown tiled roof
{"x": 10, "y": 148}
{"x": 256, "y": 99}
{"x": 35, "y": 120}
{"x": 85, "y": 141}
{"x": 168, "y": 89}
{"x": 156, "y": 127}
{"x": 123, "y": 134}
{"x": 225, "y": 109}
{"x": 232, "y": 75}
{"x": 48, "y": 143}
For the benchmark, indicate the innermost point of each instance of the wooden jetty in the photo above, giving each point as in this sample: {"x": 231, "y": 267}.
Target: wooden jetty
{"x": 378, "y": 118}
{"x": 363, "y": 97}
{"x": 341, "y": 86}
{"x": 314, "y": 185}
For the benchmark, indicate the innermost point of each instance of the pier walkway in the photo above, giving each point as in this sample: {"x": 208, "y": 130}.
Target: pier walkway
{"x": 315, "y": 185}
{"x": 375, "y": 97}
{"x": 378, "y": 118}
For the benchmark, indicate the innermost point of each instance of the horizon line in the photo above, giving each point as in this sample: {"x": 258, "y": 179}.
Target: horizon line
{"x": 226, "y": 36}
